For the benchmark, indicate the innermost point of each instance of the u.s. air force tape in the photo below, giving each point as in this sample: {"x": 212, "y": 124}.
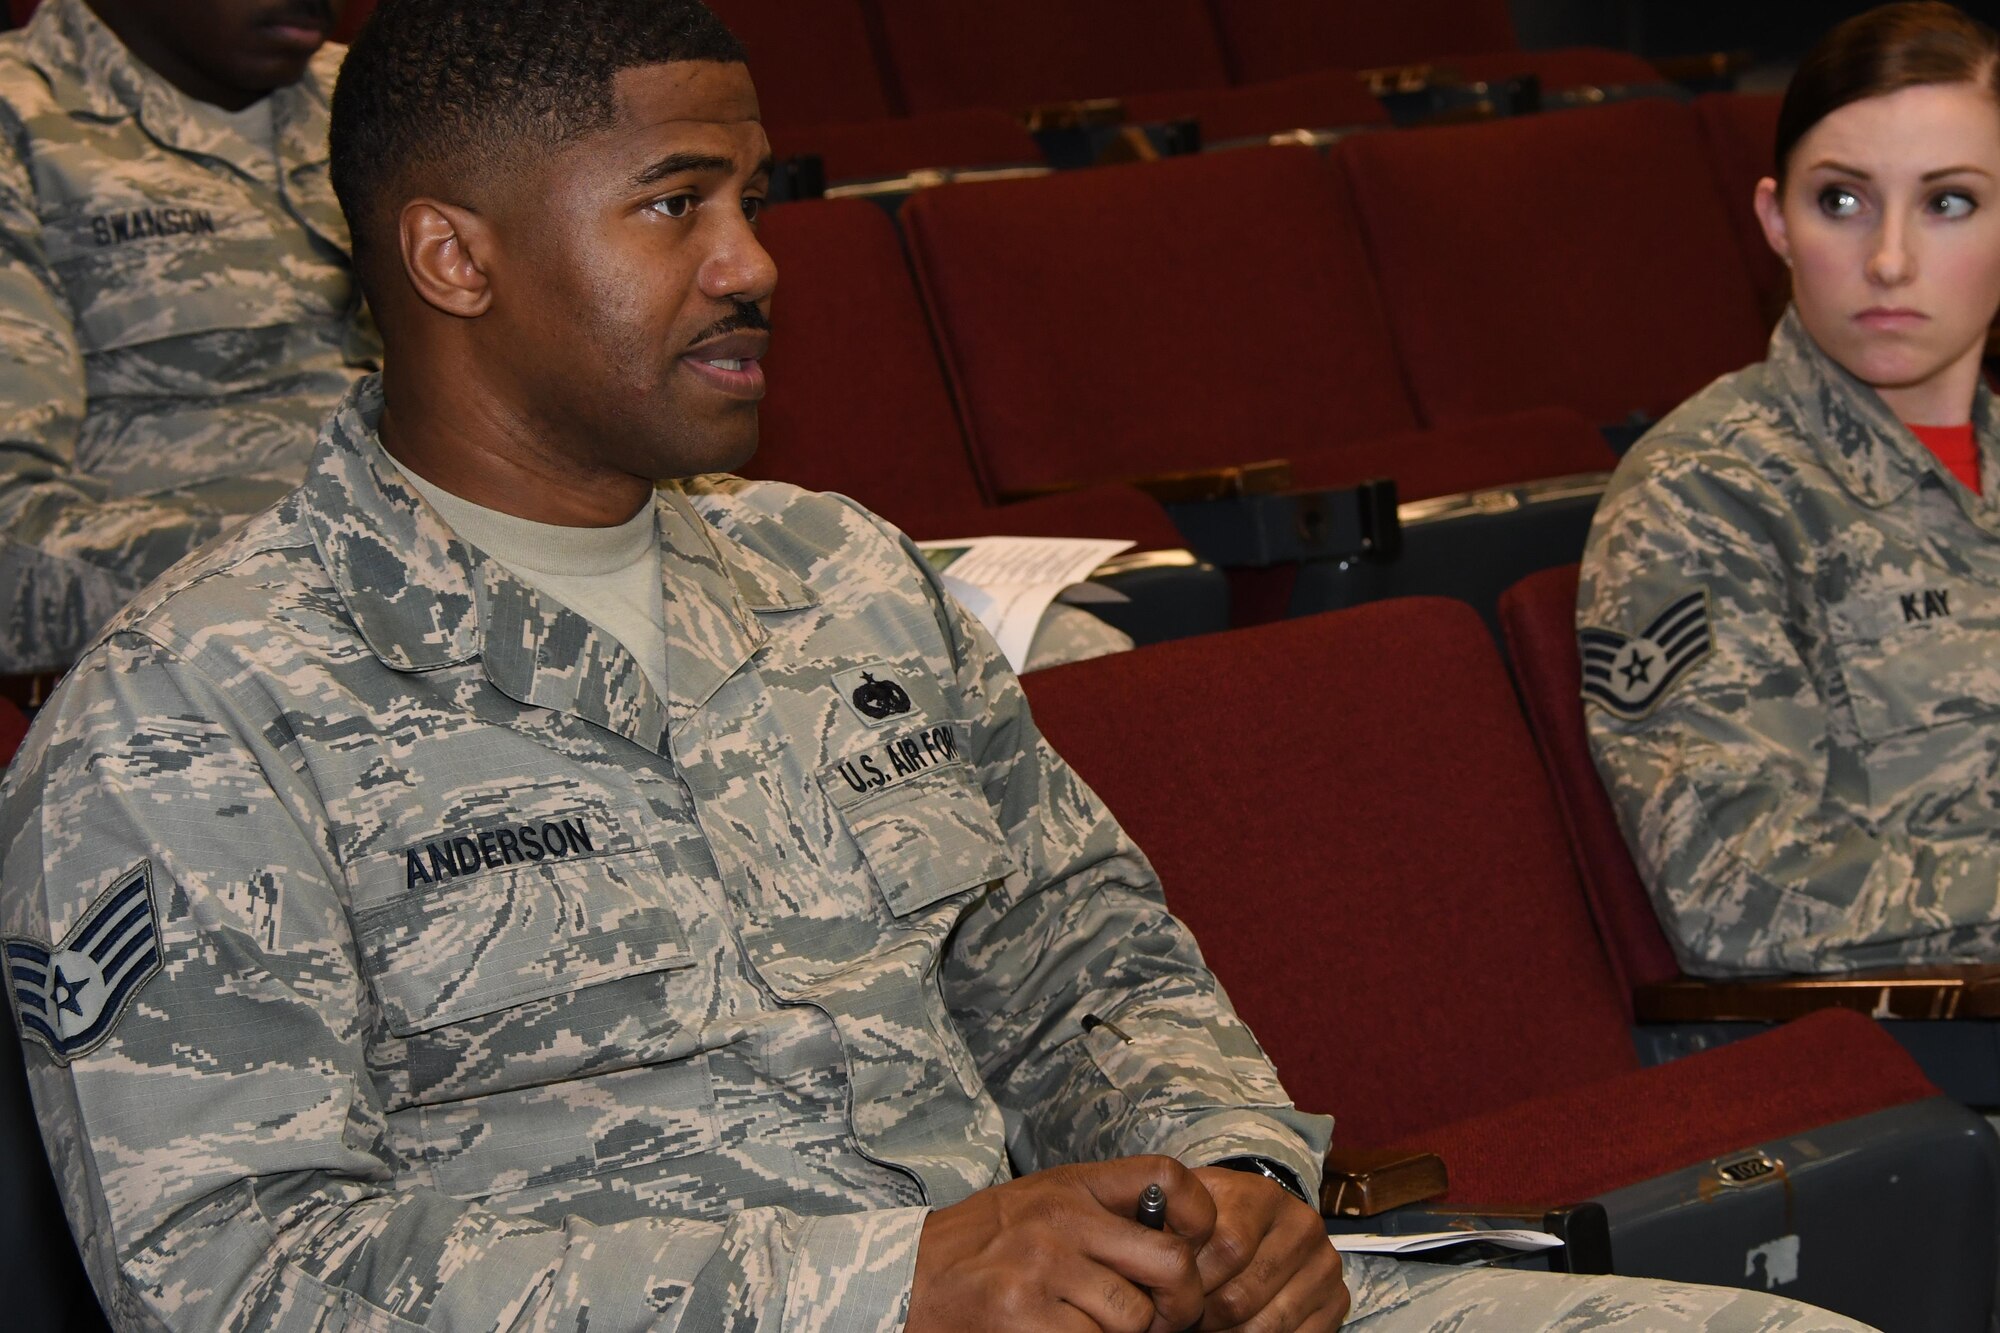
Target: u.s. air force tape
{"x": 1628, "y": 674}
{"x": 70, "y": 996}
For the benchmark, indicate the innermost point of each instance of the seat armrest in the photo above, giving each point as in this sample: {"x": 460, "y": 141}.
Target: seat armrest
{"x": 1082, "y": 114}
{"x": 1362, "y": 1184}
{"x": 1205, "y": 483}
{"x": 1403, "y": 80}
{"x": 1708, "y": 69}
{"x": 1969, "y": 990}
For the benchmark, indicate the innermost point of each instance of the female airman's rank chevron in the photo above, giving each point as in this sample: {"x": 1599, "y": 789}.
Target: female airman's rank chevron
{"x": 70, "y": 997}
{"x": 1628, "y": 674}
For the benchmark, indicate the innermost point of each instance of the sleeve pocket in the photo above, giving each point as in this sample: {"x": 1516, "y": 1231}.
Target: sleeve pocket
{"x": 924, "y": 838}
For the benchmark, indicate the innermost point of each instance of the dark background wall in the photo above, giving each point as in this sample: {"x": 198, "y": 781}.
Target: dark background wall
{"x": 1773, "y": 30}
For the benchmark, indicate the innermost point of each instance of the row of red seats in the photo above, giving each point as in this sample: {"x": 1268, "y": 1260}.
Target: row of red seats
{"x": 881, "y": 87}
{"x": 877, "y": 87}
{"x": 1350, "y": 814}
{"x": 1453, "y": 308}
{"x": 855, "y": 60}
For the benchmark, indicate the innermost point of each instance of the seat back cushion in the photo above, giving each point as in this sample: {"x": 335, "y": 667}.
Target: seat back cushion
{"x": 1348, "y": 812}
{"x": 1127, "y": 321}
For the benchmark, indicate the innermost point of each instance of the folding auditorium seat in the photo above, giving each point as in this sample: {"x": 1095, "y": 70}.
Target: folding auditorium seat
{"x": 858, "y": 404}
{"x": 1201, "y": 313}
{"x": 1472, "y": 39}
{"x": 1030, "y": 52}
{"x": 1349, "y": 813}
{"x": 1186, "y": 314}
{"x": 1319, "y": 100}
{"x": 1742, "y": 134}
{"x": 1583, "y": 258}
{"x": 815, "y": 61}
{"x": 13, "y": 728}
{"x": 1941, "y": 1014}
{"x": 352, "y": 18}
{"x": 822, "y": 90}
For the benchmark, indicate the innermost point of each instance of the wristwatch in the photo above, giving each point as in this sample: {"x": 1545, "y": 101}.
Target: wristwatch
{"x": 1276, "y": 1172}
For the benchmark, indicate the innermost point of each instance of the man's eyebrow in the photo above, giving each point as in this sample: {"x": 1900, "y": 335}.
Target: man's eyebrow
{"x": 682, "y": 164}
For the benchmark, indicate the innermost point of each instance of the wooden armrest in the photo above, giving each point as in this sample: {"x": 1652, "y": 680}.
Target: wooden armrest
{"x": 1209, "y": 483}
{"x": 1362, "y": 1184}
{"x": 1969, "y": 990}
{"x": 1390, "y": 80}
{"x": 1218, "y": 483}
{"x": 1087, "y": 113}
{"x": 1708, "y": 67}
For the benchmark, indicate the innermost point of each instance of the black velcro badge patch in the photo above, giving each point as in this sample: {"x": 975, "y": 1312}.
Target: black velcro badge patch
{"x": 873, "y": 692}
{"x": 70, "y": 997}
{"x": 1627, "y": 675}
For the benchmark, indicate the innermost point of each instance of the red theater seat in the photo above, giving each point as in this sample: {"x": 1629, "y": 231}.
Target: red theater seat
{"x": 1323, "y": 99}
{"x": 1269, "y": 39}
{"x": 1538, "y": 620}
{"x": 1538, "y": 617}
{"x": 352, "y": 18}
{"x": 1742, "y": 134}
{"x": 1582, "y": 258}
{"x": 972, "y": 137}
{"x": 1189, "y": 314}
{"x": 813, "y": 60}
{"x": 858, "y": 402}
{"x": 1033, "y": 51}
{"x": 1349, "y": 813}
{"x": 13, "y": 729}
{"x": 1570, "y": 67}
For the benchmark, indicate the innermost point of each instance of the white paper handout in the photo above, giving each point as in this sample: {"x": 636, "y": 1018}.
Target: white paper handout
{"x": 1420, "y": 1241}
{"x": 1008, "y": 582}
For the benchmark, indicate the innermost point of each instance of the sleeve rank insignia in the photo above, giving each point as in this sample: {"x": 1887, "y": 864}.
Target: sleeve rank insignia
{"x": 70, "y": 997}
{"x": 1628, "y": 674}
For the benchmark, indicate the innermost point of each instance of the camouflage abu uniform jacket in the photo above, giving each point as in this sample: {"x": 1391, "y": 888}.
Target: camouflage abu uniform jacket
{"x": 1790, "y": 623}
{"x": 434, "y": 969}
{"x": 177, "y": 317}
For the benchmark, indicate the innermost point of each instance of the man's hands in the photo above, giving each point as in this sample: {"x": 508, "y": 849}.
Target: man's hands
{"x": 1060, "y": 1250}
{"x": 1267, "y": 1266}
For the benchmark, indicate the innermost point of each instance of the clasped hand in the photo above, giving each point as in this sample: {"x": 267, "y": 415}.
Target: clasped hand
{"x": 1060, "y": 1250}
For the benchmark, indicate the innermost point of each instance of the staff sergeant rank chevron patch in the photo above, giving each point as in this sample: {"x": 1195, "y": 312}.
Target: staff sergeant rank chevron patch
{"x": 70, "y": 997}
{"x": 1628, "y": 674}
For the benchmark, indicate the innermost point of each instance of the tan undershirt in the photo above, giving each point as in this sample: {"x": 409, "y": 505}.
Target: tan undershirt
{"x": 609, "y": 576}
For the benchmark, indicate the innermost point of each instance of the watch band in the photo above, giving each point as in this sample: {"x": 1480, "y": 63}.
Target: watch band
{"x": 1277, "y": 1172}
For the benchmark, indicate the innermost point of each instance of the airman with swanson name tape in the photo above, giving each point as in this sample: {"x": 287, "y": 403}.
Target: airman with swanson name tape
{"x": 177, "y": 309}
{"x": 497, "y": 889}
{"x": 1790, "y": 604}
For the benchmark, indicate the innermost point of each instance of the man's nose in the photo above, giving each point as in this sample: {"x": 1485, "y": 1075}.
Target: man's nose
{"x": 740, "y": 268}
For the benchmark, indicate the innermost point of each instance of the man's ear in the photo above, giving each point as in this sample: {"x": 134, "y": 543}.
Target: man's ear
{"x": 1771, "y": 217}
{"x": 446, "y": 251}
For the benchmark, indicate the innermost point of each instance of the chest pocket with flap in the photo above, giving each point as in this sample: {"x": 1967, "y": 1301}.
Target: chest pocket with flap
{"x": 472, "y": 945}
{"x": 1919, "y": 661}
{"x": 927, "y": 834}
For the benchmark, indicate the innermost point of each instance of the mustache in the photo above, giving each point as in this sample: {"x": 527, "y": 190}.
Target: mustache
{"x": 744, "y": 316}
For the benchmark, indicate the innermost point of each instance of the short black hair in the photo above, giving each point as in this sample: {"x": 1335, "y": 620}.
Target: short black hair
{"x": 468, "y": 81}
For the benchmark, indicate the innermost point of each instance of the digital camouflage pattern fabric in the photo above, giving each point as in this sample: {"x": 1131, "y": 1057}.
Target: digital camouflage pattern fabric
{"x": 1809, "y": 773}
{"x": 497, "y": 990}
{"x": 497, "y": 986}
{"x": 177, "y": 318}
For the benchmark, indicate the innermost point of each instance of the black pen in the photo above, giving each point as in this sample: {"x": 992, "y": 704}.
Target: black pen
{"x": 1153, "y": 1208}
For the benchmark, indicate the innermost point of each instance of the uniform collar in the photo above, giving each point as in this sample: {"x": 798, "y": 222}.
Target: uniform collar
{"x": 422, "y": 598}
{"x": 1859, "y": 439}
{"x": 84, "y": 60}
